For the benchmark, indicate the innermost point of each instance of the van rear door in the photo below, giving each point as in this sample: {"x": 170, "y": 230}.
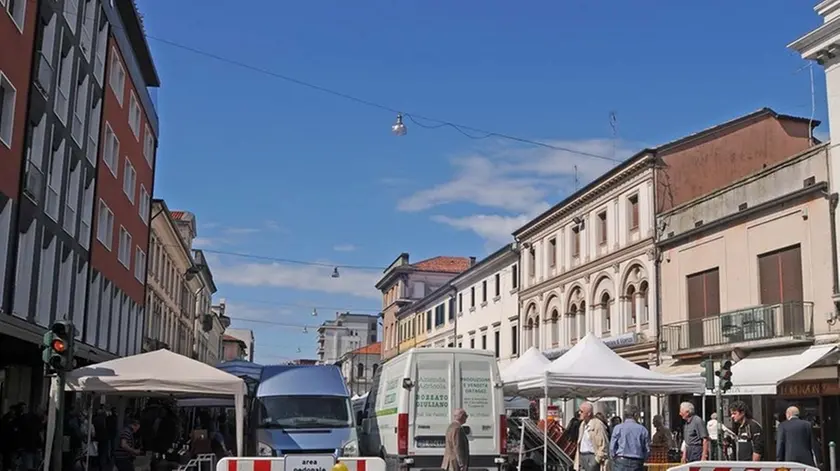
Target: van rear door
{"x": 431, "y": 399}
{"x": 478, "y": 397}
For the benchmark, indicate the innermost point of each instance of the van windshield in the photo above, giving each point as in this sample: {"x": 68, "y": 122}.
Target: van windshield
{"x": 304, "y": 412}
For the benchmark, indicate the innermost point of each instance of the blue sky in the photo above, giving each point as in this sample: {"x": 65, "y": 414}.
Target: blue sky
{"x": 276, "y": 169}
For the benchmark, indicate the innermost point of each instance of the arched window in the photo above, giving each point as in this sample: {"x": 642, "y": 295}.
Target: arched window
{"x": 555, "y": 328}
{"x": 360, "y": 370}
{"x": 537, "y": 332}
{"x": 573, "y": 323}
{"x": 606, "y": 307}
{"x": 643, "y": 292}
{"x": 632, "y": 315}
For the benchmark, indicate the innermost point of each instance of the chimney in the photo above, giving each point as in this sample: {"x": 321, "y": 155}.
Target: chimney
{"x": 472, "y": 261}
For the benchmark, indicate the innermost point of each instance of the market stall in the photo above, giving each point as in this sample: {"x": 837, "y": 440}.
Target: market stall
{"x": 157, "y": 373}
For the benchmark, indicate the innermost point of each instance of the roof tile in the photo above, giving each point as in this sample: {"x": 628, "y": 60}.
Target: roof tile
{"x": 372, "y": 349}
{"x": 443, "y": 264}
{"x": 177, "y": 215}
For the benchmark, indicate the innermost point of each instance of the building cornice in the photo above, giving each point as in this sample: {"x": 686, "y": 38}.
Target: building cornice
{"x": 494, "y": 263}
{"x": 820, "y": 44}
{"x": 617, "y": 176}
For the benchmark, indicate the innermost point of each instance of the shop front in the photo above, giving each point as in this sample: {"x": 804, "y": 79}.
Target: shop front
{"x": 818, "y": 402}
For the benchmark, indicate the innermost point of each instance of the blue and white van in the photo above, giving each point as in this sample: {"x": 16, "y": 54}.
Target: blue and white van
{"x": 303, "y": 409}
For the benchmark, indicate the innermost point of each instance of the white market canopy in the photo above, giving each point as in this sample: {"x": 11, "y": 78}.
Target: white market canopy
{"x": 529, "y": 365}
{"x": 592, "y": 369}
{"x": 161, "y": 373}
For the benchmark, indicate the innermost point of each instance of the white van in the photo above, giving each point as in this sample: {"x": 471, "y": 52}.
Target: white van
{"x": 413, "y": 397}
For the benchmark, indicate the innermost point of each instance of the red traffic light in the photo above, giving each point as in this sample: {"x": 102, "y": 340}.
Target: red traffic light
{"x": 59, "y": 345}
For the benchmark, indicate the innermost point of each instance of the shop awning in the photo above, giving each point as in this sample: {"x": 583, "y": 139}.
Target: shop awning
{"x": 761, "y": 372}
{"x": 679, "y": 368}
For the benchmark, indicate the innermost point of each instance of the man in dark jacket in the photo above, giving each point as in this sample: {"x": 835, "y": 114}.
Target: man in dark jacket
{"x": 750, "y": 443}
{"x": 795, "y": 440}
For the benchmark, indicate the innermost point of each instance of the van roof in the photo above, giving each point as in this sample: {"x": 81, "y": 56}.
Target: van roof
{"x": 458, "y": 351}
{"x": 302, "y": 380}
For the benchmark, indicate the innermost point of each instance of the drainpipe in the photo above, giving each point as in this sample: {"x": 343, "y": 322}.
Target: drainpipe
{"x": 832, "y": 211}
{"x": 657, "y": 263}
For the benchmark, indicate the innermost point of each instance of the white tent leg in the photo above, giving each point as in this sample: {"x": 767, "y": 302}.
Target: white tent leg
{"x": 545, "y": 423}
{"x": 52, "y": 405}
{"x": 239, "y": 403}
{"x": 521, "y": 443}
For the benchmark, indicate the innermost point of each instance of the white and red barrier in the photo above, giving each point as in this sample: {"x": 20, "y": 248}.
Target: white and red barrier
{"x": 743, "y": 466}
{"x": 301, "y": 463}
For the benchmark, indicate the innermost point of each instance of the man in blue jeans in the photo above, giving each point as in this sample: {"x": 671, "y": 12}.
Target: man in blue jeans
{"x": 630, "y": 442}
{"x": 127, "y": 450}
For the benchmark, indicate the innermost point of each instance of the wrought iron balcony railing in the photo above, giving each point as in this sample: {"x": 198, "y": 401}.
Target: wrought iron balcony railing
{"x": 794, "y": 319}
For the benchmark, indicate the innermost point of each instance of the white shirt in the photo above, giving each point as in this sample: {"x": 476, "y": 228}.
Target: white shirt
{"x": 585, "y": 439}
{"x": 712, "y": 428}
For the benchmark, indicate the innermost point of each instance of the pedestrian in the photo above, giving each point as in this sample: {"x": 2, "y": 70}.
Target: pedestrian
{"x": 456, "y": 454}
{"x": 127, "y": 449}
{"x": 630, "y": 442}
{"x": 695, "y": 435}
{"x": 712, "y": 427}
{"x": 749, "y": 444}
{"x": 662, "y": 438}
{"x": 593, "y": 444}
{"x": 795, "y": 440}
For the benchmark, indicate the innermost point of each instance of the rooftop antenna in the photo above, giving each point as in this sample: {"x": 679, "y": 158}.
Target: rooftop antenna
{"x": 614, "y": 126}
{"x": 813, "y": 105}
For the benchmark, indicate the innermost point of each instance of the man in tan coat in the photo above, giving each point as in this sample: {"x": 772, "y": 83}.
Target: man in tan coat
{"x": 593, "y": 444}
{"x": 456, "y": 455}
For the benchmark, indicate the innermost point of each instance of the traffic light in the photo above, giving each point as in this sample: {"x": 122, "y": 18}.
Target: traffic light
{"x": 709, "y": 374}
{"x": 724, "y": 375}
{"x": 58, "y": 347}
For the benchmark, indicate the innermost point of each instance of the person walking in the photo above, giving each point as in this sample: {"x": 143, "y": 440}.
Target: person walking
{"x": 749, "y": 444}
{"x": 630, "y": 442}
{"x": 456, "y": 454}
{"x": 695, "y": 435}
{"x": 712, "y": 427}
{"x": 127, "y": 450}
{"x": 593, "y": 444}
{"x": 795, "y": 440}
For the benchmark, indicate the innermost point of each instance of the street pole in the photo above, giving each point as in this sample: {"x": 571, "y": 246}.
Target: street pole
{"x": 719, "y": 408}
{"x": 58, "y": 438}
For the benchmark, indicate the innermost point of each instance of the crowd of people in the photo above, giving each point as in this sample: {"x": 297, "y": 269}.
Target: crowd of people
{"x": 159, "y": 428}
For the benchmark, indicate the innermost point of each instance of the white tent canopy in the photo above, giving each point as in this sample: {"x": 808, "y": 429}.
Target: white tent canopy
{"x": 529, "y": 365}
{"x": 592, "y": 369}
{"x": 161, "y": 373}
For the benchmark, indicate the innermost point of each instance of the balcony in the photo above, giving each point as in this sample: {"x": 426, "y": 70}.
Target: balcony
{"x": 757, "y": 325}
{"x": 43, "y": 74}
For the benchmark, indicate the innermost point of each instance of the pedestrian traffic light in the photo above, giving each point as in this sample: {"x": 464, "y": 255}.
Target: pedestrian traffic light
{"x": 58, "y": 347}
{"x": 725, "y": 376}
{"x": 709, "y": 373}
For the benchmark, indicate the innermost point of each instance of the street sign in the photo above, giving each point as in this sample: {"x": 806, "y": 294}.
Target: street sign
{"x": 280, "y": 464}
{"x": 309, "y": 462}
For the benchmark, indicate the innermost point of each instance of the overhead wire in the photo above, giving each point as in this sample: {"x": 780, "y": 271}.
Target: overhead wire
{"x": 413, "y": 117}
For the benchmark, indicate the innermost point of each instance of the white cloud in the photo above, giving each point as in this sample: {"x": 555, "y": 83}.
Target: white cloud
{"x": 204, "y": 243}
{"x": 344, "y": 248}
{"x": 352, "y": 282}
{"x": 517, "y": 183}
